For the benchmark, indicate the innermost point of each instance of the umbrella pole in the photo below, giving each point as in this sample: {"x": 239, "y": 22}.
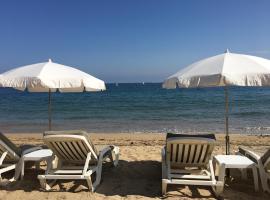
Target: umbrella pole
{"x": 227, "y": 137}
{"x": 50, "y": 111}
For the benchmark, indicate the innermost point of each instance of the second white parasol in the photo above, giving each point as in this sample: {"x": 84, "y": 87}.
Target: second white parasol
{"x": 227, "y": 69}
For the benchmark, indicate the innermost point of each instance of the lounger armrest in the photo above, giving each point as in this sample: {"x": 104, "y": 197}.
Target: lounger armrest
{"x": 104, "y": 152}
{"x": 31, "y": 150}
{"x": 102, "y": 155}
{"x": 250, "y": 154}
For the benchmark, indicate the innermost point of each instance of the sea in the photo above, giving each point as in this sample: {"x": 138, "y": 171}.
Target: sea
{"x": 138, "y": 108}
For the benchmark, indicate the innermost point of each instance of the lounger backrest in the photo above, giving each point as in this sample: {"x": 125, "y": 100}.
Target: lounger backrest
{"x": 189, "y": 150}
{"x": 264, "y": 158}
{"x": 71, "y": 147}
{"x": 13, "y": 152}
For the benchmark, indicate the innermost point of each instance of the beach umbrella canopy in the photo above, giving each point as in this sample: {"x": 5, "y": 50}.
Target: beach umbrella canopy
{"x": 227, "y": 69}
{"x": 50, "y": 77}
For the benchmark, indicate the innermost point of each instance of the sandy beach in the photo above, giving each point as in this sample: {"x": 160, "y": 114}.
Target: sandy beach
{"x": 138, "y": 175}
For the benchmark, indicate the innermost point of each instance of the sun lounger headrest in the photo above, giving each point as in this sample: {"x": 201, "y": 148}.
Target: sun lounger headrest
{"x": 10, "y": 144}
{"x": 67, "y": 132}
{"x": 73, "y": 132}
{"x": 176, "y": 135}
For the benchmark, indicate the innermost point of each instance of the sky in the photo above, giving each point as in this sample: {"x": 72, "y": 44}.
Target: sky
{"x": 130, "y": 40}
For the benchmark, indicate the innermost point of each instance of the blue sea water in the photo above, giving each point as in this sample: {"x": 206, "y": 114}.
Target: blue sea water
{"x": 134, "y": 107}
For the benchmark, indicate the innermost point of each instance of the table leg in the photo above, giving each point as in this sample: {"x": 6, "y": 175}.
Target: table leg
{"x": 216, "y": 166}
{"x": 221, "y": 178}
{"x": 255, "y": 177}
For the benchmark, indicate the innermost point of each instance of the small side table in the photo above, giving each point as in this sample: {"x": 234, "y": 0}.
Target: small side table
{"x": 37, "y": 156}
{"x": 235, "y": 162}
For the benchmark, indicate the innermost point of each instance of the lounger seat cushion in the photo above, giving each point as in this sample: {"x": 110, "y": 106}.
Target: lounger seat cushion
{"x": 178, "y": 135}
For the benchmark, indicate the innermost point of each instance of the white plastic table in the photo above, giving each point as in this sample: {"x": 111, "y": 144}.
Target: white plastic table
{"x": 37, "y": 156}
{"x": 235, "y": 162}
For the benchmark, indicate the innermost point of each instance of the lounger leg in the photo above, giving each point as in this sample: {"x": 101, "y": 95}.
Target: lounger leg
{"x": 255, "y": 178}
{"x": 116, "y": 154}
{"x": 164, "y": 169}
{"x": 265, "y": 185}
{"x": 216, "y": 191}
{"x": 163, "y": 164}
{"x": 164, "y": 187}
{"x": 44, "y": 185}
{"x": 264, "y": 181}
{"x": 221, "y": 180}
{"x": 18, "y": 169}
{"x": 89, "y": 183}
{"x": 98, "y": 176}
{"x": 22, "y": 169}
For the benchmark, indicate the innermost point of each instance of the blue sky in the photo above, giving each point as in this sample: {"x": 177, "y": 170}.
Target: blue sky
{"x": 130, "y": 40}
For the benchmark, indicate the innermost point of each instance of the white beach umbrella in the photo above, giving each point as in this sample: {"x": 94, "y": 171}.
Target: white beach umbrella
{"x": 227, "y": 69}
{"x": 50, "y": 77}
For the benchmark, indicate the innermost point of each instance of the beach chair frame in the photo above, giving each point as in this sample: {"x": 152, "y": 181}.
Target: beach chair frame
{"x": 187, "y": 161}
{"x": 76, "y": 159}
{"x": 10, "y": 160}
{"x": 262, "y": 162}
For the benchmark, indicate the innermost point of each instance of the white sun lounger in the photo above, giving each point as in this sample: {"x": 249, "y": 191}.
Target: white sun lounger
{"x": 10, "y": 155}
{"x": 262, "y": 163}
{"x": 186, "y": 160}
{"x": 77, "y": 158}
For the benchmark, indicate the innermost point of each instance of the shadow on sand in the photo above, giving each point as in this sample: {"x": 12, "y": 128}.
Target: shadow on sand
{"x": 142, "y": 178}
